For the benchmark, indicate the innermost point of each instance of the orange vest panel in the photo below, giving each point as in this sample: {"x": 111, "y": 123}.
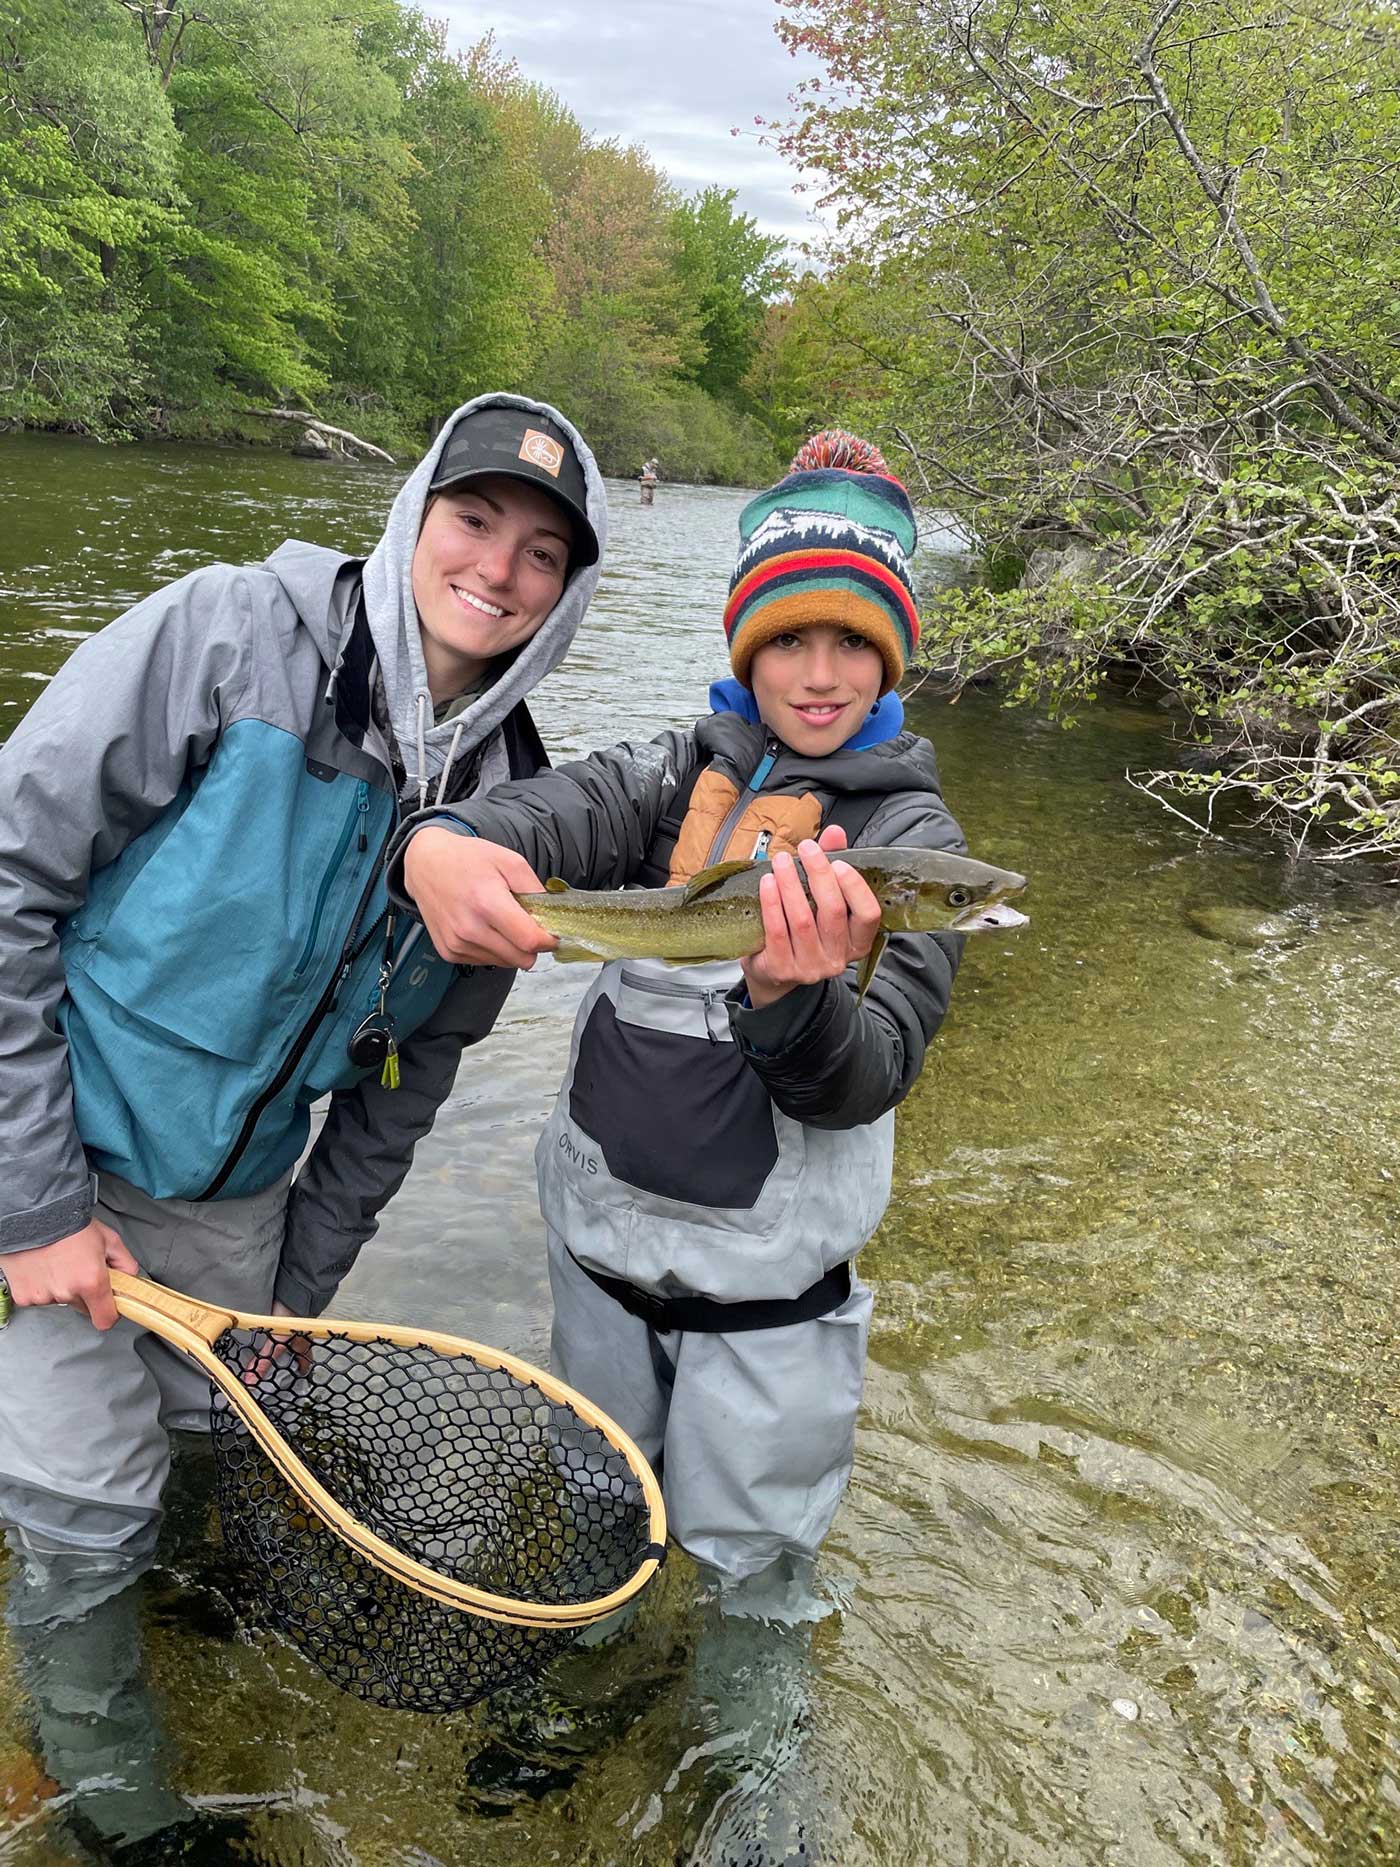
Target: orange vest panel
{"x": 788, "y": 820}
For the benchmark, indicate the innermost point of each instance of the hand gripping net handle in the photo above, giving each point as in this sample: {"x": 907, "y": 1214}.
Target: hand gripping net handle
{"x": 244, "y": 1355}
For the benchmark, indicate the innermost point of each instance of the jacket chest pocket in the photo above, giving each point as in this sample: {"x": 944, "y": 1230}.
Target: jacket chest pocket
{"x": 662, "y": 1090}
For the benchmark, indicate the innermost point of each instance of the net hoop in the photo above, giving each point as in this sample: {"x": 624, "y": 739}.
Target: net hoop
{"x": 193, "y": 1327}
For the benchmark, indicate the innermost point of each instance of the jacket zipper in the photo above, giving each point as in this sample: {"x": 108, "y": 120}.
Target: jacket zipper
{"x": 637, "y": 982}
{"x": 757, "y": 779}
{"x": 357, "y": 816}
{"x": 349, "y": 954}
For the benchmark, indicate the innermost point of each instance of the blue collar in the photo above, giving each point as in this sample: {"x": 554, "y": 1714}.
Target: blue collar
{"x": 885, "y": 719}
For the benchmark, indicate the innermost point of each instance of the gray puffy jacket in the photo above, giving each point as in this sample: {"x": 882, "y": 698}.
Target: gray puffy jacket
{"x": 700, "y": 1145}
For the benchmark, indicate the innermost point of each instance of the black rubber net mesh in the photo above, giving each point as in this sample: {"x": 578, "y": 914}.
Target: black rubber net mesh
{"x": 475, "y": 1474}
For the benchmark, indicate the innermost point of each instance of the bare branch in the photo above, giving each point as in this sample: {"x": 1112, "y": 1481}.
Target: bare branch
{"x": 322, "y": 427}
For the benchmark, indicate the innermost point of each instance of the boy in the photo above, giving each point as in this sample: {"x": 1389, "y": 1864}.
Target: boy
{"x": 721, "y": 1147}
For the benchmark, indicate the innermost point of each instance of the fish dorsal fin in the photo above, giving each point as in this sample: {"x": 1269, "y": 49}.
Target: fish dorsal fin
{"x": 555, "y": 887}
{"x": 707, "y": 879}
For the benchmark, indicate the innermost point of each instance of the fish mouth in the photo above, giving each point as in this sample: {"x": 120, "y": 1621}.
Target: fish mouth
{"x": 998, "y": 916}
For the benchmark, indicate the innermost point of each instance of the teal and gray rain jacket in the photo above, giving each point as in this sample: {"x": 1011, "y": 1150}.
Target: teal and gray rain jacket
{"x": 193, "y": 822}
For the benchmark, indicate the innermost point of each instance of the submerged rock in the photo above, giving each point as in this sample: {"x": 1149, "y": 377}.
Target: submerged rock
{"x": 1243, "y": 927}
{"x": 1075, "y": 562}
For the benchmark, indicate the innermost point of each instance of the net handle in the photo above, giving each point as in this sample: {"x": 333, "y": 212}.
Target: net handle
{"x": 193, "y": 1327}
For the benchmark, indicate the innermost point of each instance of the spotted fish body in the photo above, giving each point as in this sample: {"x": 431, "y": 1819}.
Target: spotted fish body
{"x": 717, "y": 915}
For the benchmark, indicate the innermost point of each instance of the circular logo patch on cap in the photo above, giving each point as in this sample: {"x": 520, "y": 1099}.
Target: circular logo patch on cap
{"x": 542, "y": 452}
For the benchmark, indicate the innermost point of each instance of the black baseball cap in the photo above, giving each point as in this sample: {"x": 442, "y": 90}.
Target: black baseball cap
{"x": 520, "y": 444}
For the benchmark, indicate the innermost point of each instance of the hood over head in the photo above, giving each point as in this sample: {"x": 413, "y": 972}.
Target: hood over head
{"x": 393, "y": 617}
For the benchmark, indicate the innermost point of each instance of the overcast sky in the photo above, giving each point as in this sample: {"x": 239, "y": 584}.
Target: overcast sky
{"x": 675, "y": 76}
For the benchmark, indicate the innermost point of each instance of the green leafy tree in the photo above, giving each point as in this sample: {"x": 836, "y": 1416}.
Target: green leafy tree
{"x": 612, "y": 247}
{"x": 1122, "y": 283}
{"x": 88, "y": 159}
{"x": 209, "y": 207}
{"x": 730, "y": 272}
{"x": 294, "y": 181}
{"x": 474, "y": 279}
{"x": 625, "y": 333}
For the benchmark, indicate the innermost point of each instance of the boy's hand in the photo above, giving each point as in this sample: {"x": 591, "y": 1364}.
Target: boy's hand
{"x": 802, "y": 946}
{"x": 463, "y": 887}
{"x": 71, "y": 1270}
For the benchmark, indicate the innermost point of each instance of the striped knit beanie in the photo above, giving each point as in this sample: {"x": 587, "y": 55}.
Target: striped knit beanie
{"x": 831, "y": 543}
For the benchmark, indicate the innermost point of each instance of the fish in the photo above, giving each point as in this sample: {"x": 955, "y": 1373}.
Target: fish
{"x": 717, "y": 915}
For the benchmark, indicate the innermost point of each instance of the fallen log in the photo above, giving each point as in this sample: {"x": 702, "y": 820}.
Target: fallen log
{"x": 321, "y": 427}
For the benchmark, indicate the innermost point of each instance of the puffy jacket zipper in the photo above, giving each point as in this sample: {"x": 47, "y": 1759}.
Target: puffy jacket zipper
{"x": 349, "y": 953}
{"x": 356, "y": 817}
{"x": 758, "y": 777}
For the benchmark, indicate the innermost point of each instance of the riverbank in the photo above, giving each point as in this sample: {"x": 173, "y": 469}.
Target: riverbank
{"x": 1112, "y": 347}
{"x": 1269, "y": 632}
{"x": 331, "y": 435}
{"x": 309, "y": 213}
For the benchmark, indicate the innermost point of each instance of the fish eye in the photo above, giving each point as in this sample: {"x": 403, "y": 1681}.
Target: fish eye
{"x": 959, "y": 897}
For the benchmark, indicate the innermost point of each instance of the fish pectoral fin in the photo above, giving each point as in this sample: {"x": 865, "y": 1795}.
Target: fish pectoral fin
{"x": 571, "y": 950}
{"x": 707, "y": 879}
{"x": 870, "y": 963}
{"x": 555, "y": 887}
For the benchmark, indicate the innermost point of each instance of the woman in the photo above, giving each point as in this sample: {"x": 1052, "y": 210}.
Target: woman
{"x": 195, "y": 945}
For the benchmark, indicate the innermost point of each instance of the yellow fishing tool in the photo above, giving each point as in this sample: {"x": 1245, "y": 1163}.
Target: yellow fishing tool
{"x": 429, "y": 1518}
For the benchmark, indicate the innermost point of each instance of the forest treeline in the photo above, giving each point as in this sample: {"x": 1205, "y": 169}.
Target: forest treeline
{"x": 209, "y": 206}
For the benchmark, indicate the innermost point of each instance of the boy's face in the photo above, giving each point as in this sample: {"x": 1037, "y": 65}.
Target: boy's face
{"x": 814, "y": 686}
{"x": 489, "y": 566}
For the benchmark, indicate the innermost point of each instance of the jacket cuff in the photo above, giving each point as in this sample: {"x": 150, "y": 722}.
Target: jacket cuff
{"x": 423, "y": 820}
{"x": 299, "y": 1297}
{"x": 45, "y": 1225}
{"x": 769, "y": 1030}
{"x": 315, "y": 1262}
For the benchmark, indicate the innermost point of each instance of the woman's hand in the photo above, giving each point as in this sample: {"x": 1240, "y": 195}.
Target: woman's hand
{"x": 806, "y": 941}
{"x": 464, "y": 888}
{"x": 71, "y": 1270}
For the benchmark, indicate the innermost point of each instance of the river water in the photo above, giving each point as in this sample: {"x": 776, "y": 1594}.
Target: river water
{"x": 1119, "y": 1565}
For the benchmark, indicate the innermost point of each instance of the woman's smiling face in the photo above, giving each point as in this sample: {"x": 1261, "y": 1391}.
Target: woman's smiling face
{"x": 490, "y": 564}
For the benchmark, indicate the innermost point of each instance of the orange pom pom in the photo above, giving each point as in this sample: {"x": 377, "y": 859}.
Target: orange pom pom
{"x": 834, "y": 447}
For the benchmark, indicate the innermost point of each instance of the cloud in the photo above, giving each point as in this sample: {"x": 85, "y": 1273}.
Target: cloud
{"x": 676, "y": 76}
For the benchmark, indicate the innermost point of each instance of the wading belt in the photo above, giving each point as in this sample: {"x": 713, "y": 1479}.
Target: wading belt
{"x": 707, "y": 1317}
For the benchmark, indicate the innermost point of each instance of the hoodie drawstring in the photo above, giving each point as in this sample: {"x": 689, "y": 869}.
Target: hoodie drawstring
{"x": 329, "y": 694}
{"x": 422, "y": 701}
{"x": 451, "y": 761}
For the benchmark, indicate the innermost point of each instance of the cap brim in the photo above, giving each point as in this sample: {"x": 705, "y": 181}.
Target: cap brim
{"x": 585, "y": 546}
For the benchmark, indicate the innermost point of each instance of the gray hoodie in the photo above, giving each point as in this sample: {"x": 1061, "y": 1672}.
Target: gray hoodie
{"x": 393, "y": 620}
